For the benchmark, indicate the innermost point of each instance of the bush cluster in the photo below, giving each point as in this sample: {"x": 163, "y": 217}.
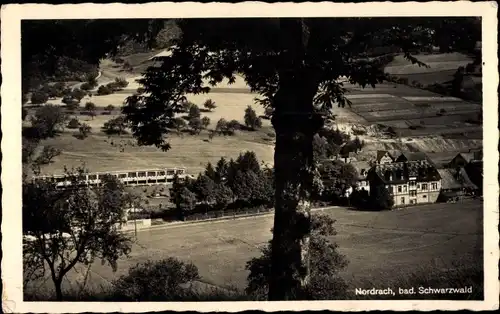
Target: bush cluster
{"x": 233, "y": 184}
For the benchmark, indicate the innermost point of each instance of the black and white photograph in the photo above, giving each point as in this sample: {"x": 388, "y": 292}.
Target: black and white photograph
{"x": 192, "y": 154}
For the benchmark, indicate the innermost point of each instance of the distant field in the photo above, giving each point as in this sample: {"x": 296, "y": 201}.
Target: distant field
{"x": 380, "y": 246}
{"x": 101, "y": 153}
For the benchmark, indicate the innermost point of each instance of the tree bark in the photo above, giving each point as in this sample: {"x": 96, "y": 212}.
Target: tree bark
{"x": 295, "y": 124}
{"x": 58, "y": 286}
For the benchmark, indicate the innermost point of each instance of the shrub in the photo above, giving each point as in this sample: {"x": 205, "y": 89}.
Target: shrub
{"x": 326, "y": 262}
{"x": 121, "y": 82}
{"x": 205, "y": 122}
{"x": 115, "y": 126}
{"x": 86, "y": 86}
{"x": 186, "y": 106}
{"x": 113, "y": 87}
{"x": 109, "y": 108}
{"x": 196, "y": 125}
{"x": 140, "y": 90}
{"x": 73, "y": 124}
{"x": 39, "y": 97}
{"x": 78, "y": 94}
{"x": 84, "y": 130}
{"x": 232, "y": 126}
{"x": 156, "y": 281}
{"x": 380, "y": 198}
{"x": 47, "y": 120}
{"x": 90, "y": 107}
{"x": 178, "y": 124}
{"x": 194, "y": 112}
{"x": 103, "y": 90}
{"x": 48, "y": 153}
{"x": 209, "y": 104}
{"x": 252, "y": 121}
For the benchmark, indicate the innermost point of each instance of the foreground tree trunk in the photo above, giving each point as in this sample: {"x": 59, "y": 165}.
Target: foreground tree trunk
{"x": 295, "y": 124}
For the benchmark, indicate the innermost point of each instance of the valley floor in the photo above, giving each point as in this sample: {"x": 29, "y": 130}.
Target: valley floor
{"x": 380, "y": 246}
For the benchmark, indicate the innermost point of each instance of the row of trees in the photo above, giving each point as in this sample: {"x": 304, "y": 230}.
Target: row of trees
{"x": 241, "y": 183}
{"x": 110, "y": 88}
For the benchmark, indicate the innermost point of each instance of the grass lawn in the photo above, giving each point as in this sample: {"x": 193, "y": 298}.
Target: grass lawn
{"x": 381, "y": 246}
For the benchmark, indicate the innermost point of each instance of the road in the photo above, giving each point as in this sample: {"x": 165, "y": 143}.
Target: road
{"x": 378, "y": 245}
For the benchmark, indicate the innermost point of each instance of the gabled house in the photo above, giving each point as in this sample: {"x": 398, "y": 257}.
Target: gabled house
{"x": 384, "y": 157}
{"x": 410, "y": 182}
{"x": 456, "y": 183}
{"x": 463, "y": 159}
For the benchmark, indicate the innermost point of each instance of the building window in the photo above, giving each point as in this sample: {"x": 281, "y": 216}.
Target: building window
{"x": 413, "y": 183}
{"x": 413, "y": 193}
{"x": 424, "y": 186}
{"x": 425, "y": 196}
{"x": 400, "y": 189}
{"x": 405, "y": 188}
{"x": 402, "y": 200}
{"x": 151, "y": 174}
{"x": 418, "y": 186}
{"x": 434, "y": 186}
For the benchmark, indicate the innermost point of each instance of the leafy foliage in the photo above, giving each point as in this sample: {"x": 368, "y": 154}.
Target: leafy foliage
{"x": 47, "y": 120}
{"x": 252, "y": 121}
{"x": 48, "y": 153}
{"x": 104, "y": 90}
{"x": 91, "y": 108}
{"x": 115, "y": 126}
{"x": 73, "y": 124}
{"x": 205, "y": 122}
{"x": 161, "y": 280}
{"x": 70, "y": 226}
{"x": 209, "y": 104}
{"x": 380, "y": 198}
{"x": 39, "y": 97}
{"x": 336, "y": 176}
{"x": 196, "y": 125}
{"x": 109, "y": 108}
{"x": 84, "y": 130}
{"x": 194, "y": 112}
{"x": 325, "y": 264}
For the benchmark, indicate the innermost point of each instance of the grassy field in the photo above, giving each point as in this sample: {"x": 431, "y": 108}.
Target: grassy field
{"x": 101, "y": 153}
{"x": 381, "y": 246}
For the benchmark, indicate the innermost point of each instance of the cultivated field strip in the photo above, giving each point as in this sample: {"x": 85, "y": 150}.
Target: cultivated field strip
{"x": 414, "y": 114}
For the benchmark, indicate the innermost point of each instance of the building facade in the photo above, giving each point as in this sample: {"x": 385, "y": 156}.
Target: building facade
{"x": 127, "y": 177}
{"x": 409, "y": 183}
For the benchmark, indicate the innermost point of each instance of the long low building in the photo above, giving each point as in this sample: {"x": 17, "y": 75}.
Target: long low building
{"x": 127, "y": 177}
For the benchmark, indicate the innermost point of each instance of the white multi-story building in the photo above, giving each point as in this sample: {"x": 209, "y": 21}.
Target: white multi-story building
{"x": 127, "y": 177}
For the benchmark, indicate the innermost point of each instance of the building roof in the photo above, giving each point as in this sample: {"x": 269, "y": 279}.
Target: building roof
{"x": 381, "y": 154}
{"x": 413, "y": 156}
{"x": 397, "y": 172}
{"x": 455, "y": 180}
{"x": 467, "y": 156}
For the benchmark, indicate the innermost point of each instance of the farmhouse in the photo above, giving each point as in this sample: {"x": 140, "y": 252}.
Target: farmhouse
{"x": 410, "y": 182}
{"x": 463, "y": 159}
{"x": 127, "y": 177}
{"x": 384, "y": 157}
{"x": 456, "y": 184}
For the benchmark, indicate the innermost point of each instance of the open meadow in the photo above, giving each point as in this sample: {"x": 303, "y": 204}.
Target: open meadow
{"x": 380, "y": 246}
